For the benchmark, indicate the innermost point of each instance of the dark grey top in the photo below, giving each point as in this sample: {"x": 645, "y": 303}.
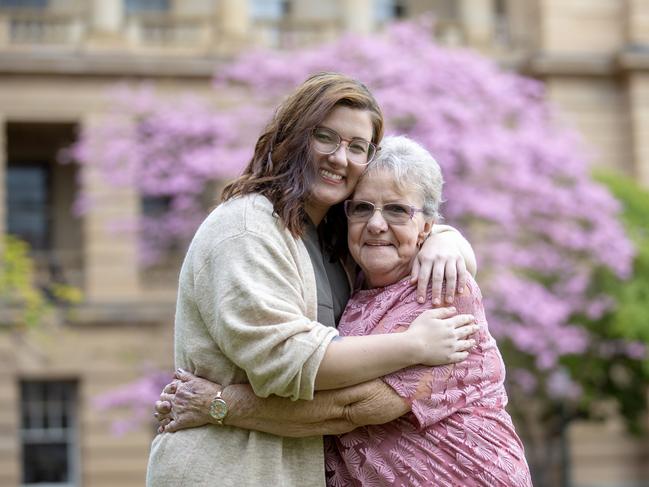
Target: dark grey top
{"x": 330, "y": 278}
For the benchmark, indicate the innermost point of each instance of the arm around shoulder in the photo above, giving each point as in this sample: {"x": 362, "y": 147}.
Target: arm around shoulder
{"x": 463, "y": 244}
{"x": 330, "y": 412}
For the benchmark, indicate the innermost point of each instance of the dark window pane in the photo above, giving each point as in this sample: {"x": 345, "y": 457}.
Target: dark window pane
{"x": 269, "y": 9}
{"x": 155, "y": 206}
{"x": 147, "y": 5}
{"x": 26, "y": 422}
{"x": 24, "y": 3}
{"x": 399, "y": 11}
{"x": 27, "y": 204}
{"x": 47, "y": 431}
{"x": 45, "y": 463}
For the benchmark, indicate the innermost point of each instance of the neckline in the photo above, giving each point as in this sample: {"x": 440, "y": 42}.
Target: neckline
{"x": 405, "y": 282}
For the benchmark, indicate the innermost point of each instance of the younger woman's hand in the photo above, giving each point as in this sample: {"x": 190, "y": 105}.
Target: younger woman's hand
{"x": 442, "y": 336}
{"x": 442, "y": 259}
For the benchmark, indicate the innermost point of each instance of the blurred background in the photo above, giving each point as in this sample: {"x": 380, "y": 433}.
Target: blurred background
{"x": 92, "y": 92}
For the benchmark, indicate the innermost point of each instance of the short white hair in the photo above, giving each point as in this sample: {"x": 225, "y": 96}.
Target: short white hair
{"x": 413, "y": 168}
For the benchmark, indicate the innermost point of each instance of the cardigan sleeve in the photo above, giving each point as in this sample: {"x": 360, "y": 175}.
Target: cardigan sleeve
{"x": 252, "y": 302}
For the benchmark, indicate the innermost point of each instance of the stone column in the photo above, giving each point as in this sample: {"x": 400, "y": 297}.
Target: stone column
{"x": 523, "y": 24}
{"x": 3, "y": 182}
{"x": 637, "y": 60}
{"x": 357, "y": 16}
{"x": 107, "y": 29}
{"x": 478, "y": 17}
{"x": 638, "y": 22}
{"x": 111, "y": 271}
{"x": 10, "y": 452}
{"x": 10, "y": 455}
{"x": 234, "y": 20}
{"x": 639, "y": 106}
{"x": 5, "y": 30}
{"x": 107, "y": 16}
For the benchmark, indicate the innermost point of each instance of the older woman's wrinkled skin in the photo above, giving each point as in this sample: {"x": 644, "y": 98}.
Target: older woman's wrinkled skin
{"x": 330, "y": 412}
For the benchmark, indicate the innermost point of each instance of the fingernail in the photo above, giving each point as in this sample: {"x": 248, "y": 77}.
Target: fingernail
{"x": 436, "y": 301}
{"x": 449, "y": 299}
{"x": 460, "y": 290}
{"x": 420, "y": 299}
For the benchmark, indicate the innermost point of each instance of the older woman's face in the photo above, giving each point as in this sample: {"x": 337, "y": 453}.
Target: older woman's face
{"x": 383, "y": 250}
{"x": 336, "y": 176}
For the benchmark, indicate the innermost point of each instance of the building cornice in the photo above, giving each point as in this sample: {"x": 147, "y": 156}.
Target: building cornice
{"x": 626, "y": 61}
{"x": 634, "y": 59}
{"x": 100, "y": 314}
{"x": 107, "y": 65}
{"x": 544, "y": 64}
{"x": 56, "y": 63}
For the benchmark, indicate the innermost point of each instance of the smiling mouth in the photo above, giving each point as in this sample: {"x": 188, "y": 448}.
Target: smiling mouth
{"x": 378, "y": 244}
{"x": 331, "y": 176}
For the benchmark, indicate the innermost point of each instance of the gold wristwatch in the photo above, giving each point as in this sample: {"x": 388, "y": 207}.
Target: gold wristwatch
{"x": 218, "y": 408}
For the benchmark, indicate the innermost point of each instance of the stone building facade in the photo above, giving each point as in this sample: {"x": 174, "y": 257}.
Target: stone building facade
{"x": 58, "y": 58}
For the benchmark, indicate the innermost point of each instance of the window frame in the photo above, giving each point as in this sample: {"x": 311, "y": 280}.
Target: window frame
{"x": 139, "y": 7}
{"x": 41, "y": 405}
{"x": 47, "y": 243}
{"x": 33, "y": 5}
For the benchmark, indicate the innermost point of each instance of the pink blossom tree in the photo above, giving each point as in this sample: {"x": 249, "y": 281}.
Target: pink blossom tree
{"x": 517, "y": 181}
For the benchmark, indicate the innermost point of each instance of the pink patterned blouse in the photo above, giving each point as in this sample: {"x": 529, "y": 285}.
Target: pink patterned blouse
{"x": 458, "y": 432}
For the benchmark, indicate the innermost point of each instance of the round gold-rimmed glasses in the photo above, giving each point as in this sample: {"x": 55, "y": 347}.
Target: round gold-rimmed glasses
{"x": 359, "y": 151}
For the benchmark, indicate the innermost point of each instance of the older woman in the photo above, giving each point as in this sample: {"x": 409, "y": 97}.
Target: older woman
{"x": 448, "y": 424}
{"x": 258, "y": 300}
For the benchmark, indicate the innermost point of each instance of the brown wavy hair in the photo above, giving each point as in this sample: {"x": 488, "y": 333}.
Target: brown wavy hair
{"x": 281, "y": 168}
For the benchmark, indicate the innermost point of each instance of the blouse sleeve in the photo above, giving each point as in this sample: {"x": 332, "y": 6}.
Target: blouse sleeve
{"x": 254, "y": 308}
{"x": 437, "y": 392}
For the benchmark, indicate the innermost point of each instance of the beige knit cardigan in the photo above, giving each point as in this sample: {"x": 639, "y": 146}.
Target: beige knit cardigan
{"x": 246, "y": 312}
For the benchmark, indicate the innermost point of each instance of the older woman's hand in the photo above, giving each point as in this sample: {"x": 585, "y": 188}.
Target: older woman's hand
{"x": 163, "y": 408}
{"x": 445, "y": 256}
{"x": 185, "y": 402}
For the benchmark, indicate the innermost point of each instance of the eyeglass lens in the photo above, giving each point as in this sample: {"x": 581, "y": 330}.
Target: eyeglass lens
{"x": 359, "y": 151}
{"x": 392, "y": 212}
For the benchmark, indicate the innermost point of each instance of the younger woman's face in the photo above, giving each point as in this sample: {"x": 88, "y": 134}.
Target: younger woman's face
{"x": 336, "y": 176}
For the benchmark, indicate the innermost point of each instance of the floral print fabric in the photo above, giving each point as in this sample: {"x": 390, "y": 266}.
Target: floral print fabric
{"x": 457, "y": 433}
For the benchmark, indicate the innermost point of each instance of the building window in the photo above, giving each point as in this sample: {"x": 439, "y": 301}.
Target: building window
{"x": 269, "y": 9}
{"x": 134, "y": 6}
{"x": 23, "y": 3}
{"x": 155, "y": 206}
{"x": 28, "y": 203}
{"x": 48, "y": 433}
{"x": 502, "y": 32}
{"x": 388, "y": 10}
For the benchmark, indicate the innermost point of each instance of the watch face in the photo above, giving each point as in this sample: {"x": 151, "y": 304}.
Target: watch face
{"x": 218, "y": 409}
